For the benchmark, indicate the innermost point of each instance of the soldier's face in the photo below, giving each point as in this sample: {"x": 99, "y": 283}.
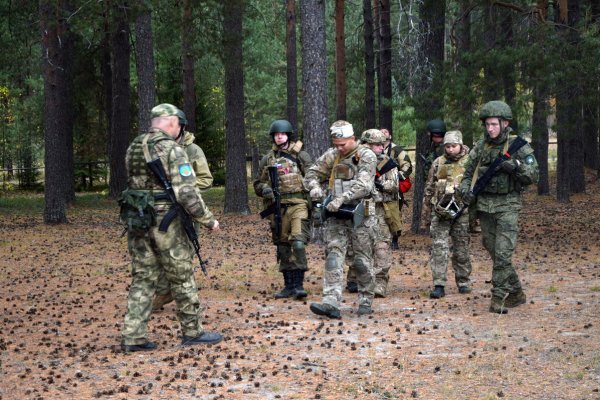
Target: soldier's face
{"x": 452, "y": 149}
{"x": 344, "y": 145}
{"x": 280, "y": 138}
{"x": 494, "y": 126}
{"x": 174, "y": 127}
{"x": 388, "y": 138}
{"x": 437, "y": 139}
{"x": 377, "y": 148}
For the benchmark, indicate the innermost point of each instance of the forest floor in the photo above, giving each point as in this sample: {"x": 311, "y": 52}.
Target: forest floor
{"x": 63, "y": 292}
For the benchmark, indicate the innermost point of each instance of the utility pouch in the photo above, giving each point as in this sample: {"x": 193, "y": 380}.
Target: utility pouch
{"x": 369, "y": 206}
{"x": 137, "y": 211}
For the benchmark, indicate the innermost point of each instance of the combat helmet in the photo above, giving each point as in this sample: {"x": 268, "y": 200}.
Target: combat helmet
{"x": 495, "y": 108}
{"x": 373, "y": 136}
{"x": 167, "y": 110}
{"x": 436, "y": 127}
{"x": 283, "y": 126}
{"x": 453, "y": 137}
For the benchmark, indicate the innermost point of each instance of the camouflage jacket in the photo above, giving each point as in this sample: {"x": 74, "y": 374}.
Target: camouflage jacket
{"x": 388, "y": 191}
{"x": 361, "y": 161}
{"x": 178, "y": 169}
{"x": 292, "y": 163}
{"x": 199, "y": 163}
{"x": 435, "y": 151}
{"x": 398, "y": 153}
{"x": 503, "y": 192}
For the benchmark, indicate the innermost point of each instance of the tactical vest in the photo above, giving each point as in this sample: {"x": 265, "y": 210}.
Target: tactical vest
{"x": 449, "y": 174}
{"x": 501, "y": 182}
{"x": 288, "y": 168}
{"x": 344, "y": 173}
{"x": 139, "y": 176}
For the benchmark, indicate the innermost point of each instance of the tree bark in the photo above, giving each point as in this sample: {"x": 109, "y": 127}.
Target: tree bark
{"x": 57, "y": 70}
{"x": 386, "y": 116}
{"x": 340, "y": 61}
{"x": 314, "y": 77}
{"x": 236, "y": 185}
{"x": 291, "y": 71}
{"x": 145, "y": 69}
{"x": 189, "y": 81}
{"x": 370, "y": 116}
{"x": 539, "y": 133}
{"x": 120, "y": 128}
{"x": 377, "y": 49}
{"x": 493, "y": 77}
{"x": 463, "y": 47}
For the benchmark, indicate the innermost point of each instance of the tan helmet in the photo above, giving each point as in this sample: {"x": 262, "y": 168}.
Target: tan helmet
{"x": 341, "y": 130}
{"x": 453, "y": 137}
{"x": 373, "y": 136}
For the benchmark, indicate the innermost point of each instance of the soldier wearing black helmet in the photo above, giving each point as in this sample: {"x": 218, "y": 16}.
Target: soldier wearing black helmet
{"x": 436, "y": 129}
{"x": 499, "y": 203}
{"x": 292, "y": 162}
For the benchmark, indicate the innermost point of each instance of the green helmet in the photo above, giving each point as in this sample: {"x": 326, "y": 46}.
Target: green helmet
{"x": 436, "y": 127}
{"x": 495, "y": 108}
{"x": 281, "y": 125}
{"x": 168, "y": 110}
{"x": 373, "y": 136}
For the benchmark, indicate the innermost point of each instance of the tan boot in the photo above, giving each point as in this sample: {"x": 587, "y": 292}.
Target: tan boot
{"x": 160, "y": 300}
{"x": 498, "y": 306}
{"x": 515, "y": 299}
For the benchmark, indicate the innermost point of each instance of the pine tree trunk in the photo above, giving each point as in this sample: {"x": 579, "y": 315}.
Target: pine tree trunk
{"x": 386, "y": 117}
{"x": 189, "y": 81}
{"x": 314, "y": 77}
{"x": 340, "y": 61}
{"x": 370, "y": 116}
{"x": 145, "y": 69}
{"x": 120, "y": 128}
{"x": 236, "y": 185}
{"x": 291, "y": 71}
{"x": 539, "y": 133}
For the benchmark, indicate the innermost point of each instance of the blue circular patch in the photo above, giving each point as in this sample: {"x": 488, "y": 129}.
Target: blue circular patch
{"x": 185, "y": 170}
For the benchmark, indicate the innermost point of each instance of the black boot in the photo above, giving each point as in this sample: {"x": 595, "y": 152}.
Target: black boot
{"x": 300, "y": 293}
{"x": 395, "y": 243}
{"x": 438, "y": 292}
{"x": 288, "y": 290}
{"x": 352, "y": 287}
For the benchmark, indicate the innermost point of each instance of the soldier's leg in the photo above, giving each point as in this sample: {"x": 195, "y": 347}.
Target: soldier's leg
{"x": 382, "y": 258}
{"x": 163, "y": 292}
{"x": 461, "y": 259}
{"x": 285, "y": 261}
{"x": 145, "y": 272}
{"x": 488, "y": 232}
{"x": 393, "y": 219}
{"x": 473, "y": 221}
{"x": 336, "y": 237}
{"x": 504, "y": 276}
{"x": 363, "y": 238}
{"x": 440, "y": 249}
{"x": 351, "y": 284}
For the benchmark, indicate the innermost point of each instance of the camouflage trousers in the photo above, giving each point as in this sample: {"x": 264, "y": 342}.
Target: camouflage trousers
{"x": 295, "y": 232}
{"x": 168, "y": 254}
{"x": 393, "y": 216}
{"x": 340, "y": 235}
{"x": 441, "y": 231}
{"x": 382, "y": 258}
{"x": 499, "y": 235}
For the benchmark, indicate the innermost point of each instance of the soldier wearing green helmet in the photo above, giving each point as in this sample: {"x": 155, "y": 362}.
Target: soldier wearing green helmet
{"x": 292, "y": 162}
{"x": 436, "y": 129}
{"x": 499, "y": 203}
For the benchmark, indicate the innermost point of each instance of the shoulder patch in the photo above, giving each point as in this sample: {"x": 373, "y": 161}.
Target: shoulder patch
{"x": 529, "y": 159}
{"x": 185, "y": 170}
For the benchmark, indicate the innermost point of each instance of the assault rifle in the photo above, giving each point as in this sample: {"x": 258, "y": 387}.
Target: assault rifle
{"x": 484, "y": 179}
{"x": 381, "y": 170}
{"x": 176, "y": 209}
{"x": 274, "y": 208}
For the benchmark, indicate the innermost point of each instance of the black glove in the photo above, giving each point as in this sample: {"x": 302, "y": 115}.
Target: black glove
{"x": 267, "y": 193}
{"x": 468, "y": 198}
{"x": 509, "y": 166}
{"x": 379, "y": 186}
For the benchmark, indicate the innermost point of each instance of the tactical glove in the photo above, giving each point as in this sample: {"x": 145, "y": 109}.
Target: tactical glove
{"x": 335, "y": 204}
{"x": 468, "y": 198}
{"x": 509, "y": 166}
{"x": 379, "y": 186}
{"x": 316, "y": 193}
{"x": 267, "y": 193}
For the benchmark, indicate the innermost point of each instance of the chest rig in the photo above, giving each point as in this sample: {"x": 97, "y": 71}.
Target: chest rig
{"x": 288, "y": 168}
{"x": 343, "y": 173}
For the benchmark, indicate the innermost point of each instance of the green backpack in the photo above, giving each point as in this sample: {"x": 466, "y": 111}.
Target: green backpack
{"x": 137, "y": 211}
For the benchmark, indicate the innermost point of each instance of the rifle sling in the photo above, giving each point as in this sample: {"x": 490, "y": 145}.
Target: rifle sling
{"x": 288, "y": 156}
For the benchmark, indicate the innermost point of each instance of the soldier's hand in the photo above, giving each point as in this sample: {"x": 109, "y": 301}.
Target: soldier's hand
{"x": 267, "y": 193}
{"x": 216, "y": 226}
{"x": 316, "y": 193}
{"x": 379, "y": 186}
{"x": 468, "y": 198}
{"x": 509, "y": 166}
{"x": 335, "y": 204}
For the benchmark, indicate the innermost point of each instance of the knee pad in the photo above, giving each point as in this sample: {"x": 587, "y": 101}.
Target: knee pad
{"x": 297, "y": 245}
{"x": 332, "y": 262}
{"x": 360, "y": 267}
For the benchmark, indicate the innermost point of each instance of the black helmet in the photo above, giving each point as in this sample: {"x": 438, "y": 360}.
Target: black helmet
{"x": 495, "y": 108}
{"x": 436, "y": 127}
{"x": 284, "y": 126}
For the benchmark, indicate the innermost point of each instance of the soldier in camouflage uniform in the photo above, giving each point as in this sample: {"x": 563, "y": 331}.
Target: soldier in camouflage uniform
{"x": 436, "y": 129}
{"x": 499, "y": 203}
{"x": 440, "y": 205}
{"x": 292, "y": 162}
{"x": 393, "y": 203}
{"x": 349, "y": 170}
{"x": 204, "y": 181}
{"x": 154, "y": 251}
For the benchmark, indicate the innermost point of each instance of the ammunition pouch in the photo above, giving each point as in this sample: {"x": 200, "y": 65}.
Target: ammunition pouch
{"x": 137, "y": 210}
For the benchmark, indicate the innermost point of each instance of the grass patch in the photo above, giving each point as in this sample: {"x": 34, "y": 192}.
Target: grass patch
{"x": 595, "y": 288}
{"x": 552, "y": 289}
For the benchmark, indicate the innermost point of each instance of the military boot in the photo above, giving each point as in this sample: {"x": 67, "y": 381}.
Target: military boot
{"x": 498, "y": 306}
{"x": 437, "y": 293}
{"x": 288, "y": 290}
{"x": 464, "y": 289}
{"x": 380, "y": 288}
{"x": 299, "y": 292}
{"x": 394, "y": 245}
{"x": 204, "y": 338}
{"x": 364, "y": 310}
{"x": 129, "y": 348}
{"x": 160, "y": 300}
{"x": 515, "y": 299}
{"x": 326, "y": 310}
{"x": 352, "y": 287}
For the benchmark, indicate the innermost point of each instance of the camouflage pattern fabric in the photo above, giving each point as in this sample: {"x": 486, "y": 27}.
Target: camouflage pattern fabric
{"x": 499, "y": 204}
{"x": 295, "y": 222}
{"x": 163, "y": 252}
{"x": 442, "y": 230}
{"x": 435, "y": 150}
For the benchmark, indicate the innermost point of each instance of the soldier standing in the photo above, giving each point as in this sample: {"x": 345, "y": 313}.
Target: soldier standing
{"x": 499, "y": 203}
{"x": 349, "y": 170}
{"x": 204, "y": 182}
{"x": 436, "y": 129}
{"x": 156, "y": 248}
{"x": 440, "y": 205}
{"x": 292, "y": 162}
